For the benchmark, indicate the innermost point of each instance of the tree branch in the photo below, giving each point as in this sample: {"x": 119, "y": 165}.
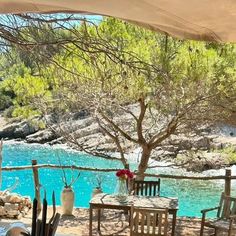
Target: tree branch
{"x": 115, "y": 138}
{"x": 143, "y": 108}
{"x": 117, "y": 128}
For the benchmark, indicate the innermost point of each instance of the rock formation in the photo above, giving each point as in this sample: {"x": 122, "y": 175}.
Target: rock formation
{"x": 13, "y": 205}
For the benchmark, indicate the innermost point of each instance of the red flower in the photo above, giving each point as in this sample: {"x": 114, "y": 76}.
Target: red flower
{"x": 124, "y": 174}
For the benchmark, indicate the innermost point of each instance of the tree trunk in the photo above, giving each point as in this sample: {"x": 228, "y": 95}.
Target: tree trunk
{"x": 143, "y": 162}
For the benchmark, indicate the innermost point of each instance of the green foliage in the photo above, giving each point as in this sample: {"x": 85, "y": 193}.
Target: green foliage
{"x": 5, "y": 101}
{"x": 120, "y": 64}
{"x": 26, "y": 91}
{"x": 230, "y": 152}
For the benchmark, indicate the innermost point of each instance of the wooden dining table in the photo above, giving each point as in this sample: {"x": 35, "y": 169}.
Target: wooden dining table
{"x": 109, "y": 201}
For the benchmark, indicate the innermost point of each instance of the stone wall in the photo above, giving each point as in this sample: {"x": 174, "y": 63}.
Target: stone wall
{"x": 13, "y": 205}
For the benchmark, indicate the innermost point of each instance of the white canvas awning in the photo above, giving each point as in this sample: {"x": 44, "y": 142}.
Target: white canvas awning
{"x": 213, "y": 20}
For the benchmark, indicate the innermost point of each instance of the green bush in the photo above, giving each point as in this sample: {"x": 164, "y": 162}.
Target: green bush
{"x": 230, "y": 151}
{"x": 5, "y": 102}
{"x": 7, "y": 113}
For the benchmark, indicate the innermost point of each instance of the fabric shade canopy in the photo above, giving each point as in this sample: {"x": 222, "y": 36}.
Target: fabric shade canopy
{"x": 213, "y": 20}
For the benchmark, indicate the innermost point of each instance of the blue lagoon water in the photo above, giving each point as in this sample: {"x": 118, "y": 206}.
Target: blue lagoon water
{"x": 193, "y": 195}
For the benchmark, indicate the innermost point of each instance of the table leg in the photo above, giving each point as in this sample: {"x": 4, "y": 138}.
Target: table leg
{"x": 99, "y": 219}
{"x": 173, "y": 223}
{"x": 90, "y": 220}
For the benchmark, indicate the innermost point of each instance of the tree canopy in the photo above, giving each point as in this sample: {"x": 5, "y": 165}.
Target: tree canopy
{"x": 164, "y": 85}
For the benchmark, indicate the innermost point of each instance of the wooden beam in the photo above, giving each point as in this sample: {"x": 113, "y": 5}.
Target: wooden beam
{"x": 227, "y": 177}
{"x": 190, "y": 177}
{"x": 36, "y": 185}
{"x": 164, "y": 176}
{"x": 228, "y": 182}
{"x": 50, "y": 166}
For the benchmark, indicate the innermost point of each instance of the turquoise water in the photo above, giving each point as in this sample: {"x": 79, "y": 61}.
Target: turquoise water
{"x": 193, "y": 195}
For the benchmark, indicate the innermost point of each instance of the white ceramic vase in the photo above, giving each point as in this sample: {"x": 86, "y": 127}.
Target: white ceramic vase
{"x": 67, "y": 200}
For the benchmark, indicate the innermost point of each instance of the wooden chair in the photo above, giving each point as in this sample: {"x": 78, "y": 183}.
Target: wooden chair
{"x": 148, "y": 221}
{"x": 146, "y": 188}
{"x": 226, "y": 216}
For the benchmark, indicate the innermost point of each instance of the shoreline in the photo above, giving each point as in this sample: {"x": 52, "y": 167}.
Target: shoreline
{"x": 196, "y": 154}
{"x": 162, "y": 166}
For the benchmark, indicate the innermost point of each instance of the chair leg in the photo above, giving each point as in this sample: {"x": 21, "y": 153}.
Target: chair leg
{"x": 202, "y": 224}
{"x": 230, "y": 227}
{"x": 202, "y": 230}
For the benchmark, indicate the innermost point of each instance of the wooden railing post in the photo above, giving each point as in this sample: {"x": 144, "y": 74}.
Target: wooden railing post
{"x": 227, "y": 182}
{"x": 36, "y": 185}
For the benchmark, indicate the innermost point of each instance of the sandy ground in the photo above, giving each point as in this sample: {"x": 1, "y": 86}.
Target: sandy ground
{"x": 113, "y": 223}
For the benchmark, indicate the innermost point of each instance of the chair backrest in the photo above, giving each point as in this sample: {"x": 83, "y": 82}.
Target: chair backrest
{"x": 146, "y": 188}
{"x": 148, "y": 221}
{"x": 227, "y": 206}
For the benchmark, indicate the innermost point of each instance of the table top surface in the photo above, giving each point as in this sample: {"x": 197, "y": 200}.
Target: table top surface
{"x": 136, "y": 201}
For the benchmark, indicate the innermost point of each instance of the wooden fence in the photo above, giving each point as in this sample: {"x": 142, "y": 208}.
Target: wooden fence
{"x": 35, "y": 168}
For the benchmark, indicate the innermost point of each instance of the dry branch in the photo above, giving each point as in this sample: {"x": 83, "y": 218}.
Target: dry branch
{"x": 50, "y": 166}
{"x": 164, "y": 176}
{"x": 189, "y": 177}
